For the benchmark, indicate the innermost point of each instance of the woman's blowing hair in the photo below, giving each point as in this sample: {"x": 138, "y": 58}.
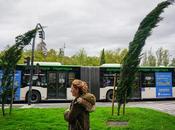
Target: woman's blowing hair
{"x": 81, "y": 85}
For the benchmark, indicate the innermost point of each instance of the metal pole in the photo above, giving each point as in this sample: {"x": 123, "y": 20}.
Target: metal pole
{"x": 31, "y": 71}
{"x": 38, "y": 26}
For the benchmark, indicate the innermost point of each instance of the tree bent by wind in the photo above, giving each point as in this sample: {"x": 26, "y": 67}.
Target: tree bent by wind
{"x": 8, "y": 61}
{"x": 132, "y": 58}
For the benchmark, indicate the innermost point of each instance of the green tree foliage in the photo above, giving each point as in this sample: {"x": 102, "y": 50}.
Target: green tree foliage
{"x": 151, "y": 59}
{"x": 111, "y": 56}
{"x": 80, "y": 58}
{"x": 132, "y": 59}
{"x": 115, "y": 56}
{"x": 9, "y": 59}
{"x": 92, "y": 61}
{"x": 102, "y": 57}
{"x": 122, "y": 54}
{"x": 165, "y": 57}
{"x": 172, "y": 62}
{"x": 159, "y": 54}
{"x": 145, "y": 59}
{"x": 52, "y": 55}
{"x": 162, "y": 57}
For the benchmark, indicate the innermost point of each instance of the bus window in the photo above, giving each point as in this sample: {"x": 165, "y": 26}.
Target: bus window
{"x": 52, "y": 77}
{"x": 61, "y": 78}
{"x": 135, "y": 89}
{"x": 136, "y": 81}
{"x": 148, "y": 80}
{"x": 71, "y": 78}
{"x": 108, "y": 80}
{"x": 38, "y": 80}
{"x": 41, "y": 81}
{"x": 26, "y": 80}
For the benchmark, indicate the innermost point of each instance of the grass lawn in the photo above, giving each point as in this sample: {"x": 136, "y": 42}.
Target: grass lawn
{"x": 52, "y": 119}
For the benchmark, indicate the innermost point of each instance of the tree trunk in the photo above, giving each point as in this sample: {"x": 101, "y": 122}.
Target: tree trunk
{"x": 12, "y": 94}
{"x": 124, "y": 104}
{"x": 3, "y": 104}
{"x": 119, "y": 105}
{"x": 113, "y": 95}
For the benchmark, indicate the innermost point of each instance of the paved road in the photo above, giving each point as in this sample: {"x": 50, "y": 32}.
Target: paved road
{"x": 164, "y": 106}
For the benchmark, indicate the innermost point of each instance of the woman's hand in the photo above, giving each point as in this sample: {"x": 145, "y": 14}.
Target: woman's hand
{"x": 67, "y": 110}
{"x": 66, "y": 114}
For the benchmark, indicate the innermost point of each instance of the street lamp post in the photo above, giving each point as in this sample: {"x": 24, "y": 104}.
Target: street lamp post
{"x": 42, "y": 35}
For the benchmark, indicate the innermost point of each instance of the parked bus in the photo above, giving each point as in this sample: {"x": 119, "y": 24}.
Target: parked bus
{"x": 52, "y": 81}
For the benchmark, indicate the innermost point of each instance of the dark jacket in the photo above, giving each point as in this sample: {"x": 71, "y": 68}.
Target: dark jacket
{"x": 78, "y": 115}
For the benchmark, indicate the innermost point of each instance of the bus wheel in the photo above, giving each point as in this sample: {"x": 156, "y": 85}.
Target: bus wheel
{"x": 109, "y": 96}
{"x": 35, "y": 98}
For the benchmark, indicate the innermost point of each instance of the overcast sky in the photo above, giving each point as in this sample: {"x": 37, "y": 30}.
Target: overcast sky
{"x": 89, "y": 24}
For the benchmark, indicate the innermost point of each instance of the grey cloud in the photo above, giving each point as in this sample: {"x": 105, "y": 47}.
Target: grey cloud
{"x": 89, "y": 24}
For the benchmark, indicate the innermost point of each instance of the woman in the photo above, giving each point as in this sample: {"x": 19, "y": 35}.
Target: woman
{"x": 84, "y": 102}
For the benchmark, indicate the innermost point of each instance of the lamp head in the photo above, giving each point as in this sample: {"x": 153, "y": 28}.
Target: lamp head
{"x": 171, "y": 1}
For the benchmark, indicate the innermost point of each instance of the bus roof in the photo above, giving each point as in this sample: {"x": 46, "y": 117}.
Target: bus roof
{"x": 156, "y": 67}
{"x": 119, "y": 65}
{"x": 47, "y": 63}
{"x": 111, "y": 65}
{"x": 50, "y": 64}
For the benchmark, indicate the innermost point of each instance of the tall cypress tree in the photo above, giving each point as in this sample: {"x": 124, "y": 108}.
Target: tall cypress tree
{"x": 102, "y": 57}
{"x": 132, "y": 59}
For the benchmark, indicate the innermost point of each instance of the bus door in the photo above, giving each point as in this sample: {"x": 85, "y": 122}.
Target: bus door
{"x": 56, "y": 85}
{"x": 62, "y": 85}
{"x": 52, "y": 85}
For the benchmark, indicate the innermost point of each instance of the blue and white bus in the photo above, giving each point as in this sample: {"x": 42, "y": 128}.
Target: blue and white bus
{"x": 150, "y": 82}
{"x": 52, "y": 81}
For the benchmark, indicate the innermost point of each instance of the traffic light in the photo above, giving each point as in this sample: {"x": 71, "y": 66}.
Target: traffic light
{"x": 41, "y": 34}
{"x": 27, "y": 61}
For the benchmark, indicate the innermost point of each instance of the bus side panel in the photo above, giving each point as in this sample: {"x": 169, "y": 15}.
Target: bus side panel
{"x": 17, "y": 84}
{"x": 103, "y": 92}
{"x": 148, "y": 92}
{"x": 95, "y": 82}
{"x": 41, "y": 90}
{"x": 163, "y": 87}
{"x": 92, "y": 76}
{"x": 23, "y": 93}
{"x": 69, "y": 94}
{"x": 163, "y": 84}
{"x": 173, "y": 92}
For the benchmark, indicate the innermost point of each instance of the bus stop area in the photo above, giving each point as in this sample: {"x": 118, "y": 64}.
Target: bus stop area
{"x": 163, "y": 106}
